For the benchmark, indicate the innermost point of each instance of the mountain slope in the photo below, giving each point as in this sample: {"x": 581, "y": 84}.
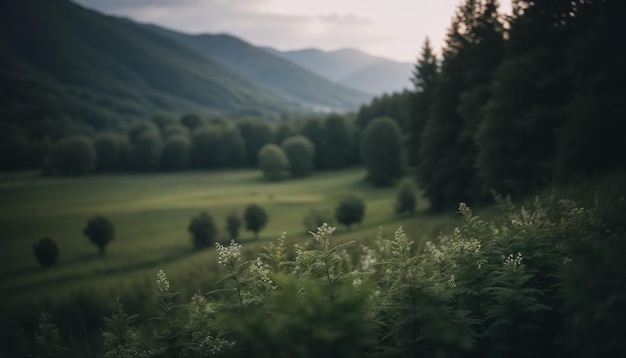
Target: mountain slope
{"x": 353, "y": 68}
{"x": 281, "y": 75}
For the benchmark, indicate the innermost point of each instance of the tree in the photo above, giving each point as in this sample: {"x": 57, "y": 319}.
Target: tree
{"x": 230, "y": 149}
{"x": 405, "y": 201}
{"x": 100, "y": 232}
{"x": 74, "y": 156}
{"x": 337, "y": 142}
{"x": 174, "y": 130}
{"x": 233, "y": 224}
{"x": 147, "y": 146}
{"x": 204, "y": 142}
{"x": 46, "y": 252}
{"x": 256, "y": 133}
{"x": 203, "y": 230}
{"x": 256, "y": 218}
{"x": 112, "y": 151}
{"x": 273, "y": 162}
{"x": 424, "y": 79}
{"x": 382, "y": 151}
{"x": 313, "y": 129}
{"x": 191, "y": 121}
{"x": 350, "y": 210}
{"x": 175, "y": 155}
{"x": 300, "y": 153}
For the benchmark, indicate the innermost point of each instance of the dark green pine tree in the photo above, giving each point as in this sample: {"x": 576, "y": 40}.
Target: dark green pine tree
{"x": 424, "y": 79}
{"x": 516, "y": 139}
{"x": 447, "y": 150}
{"x": 591, "y": 140}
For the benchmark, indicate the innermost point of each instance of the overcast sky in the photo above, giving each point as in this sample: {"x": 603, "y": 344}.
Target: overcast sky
{"x": 393, "y": 29}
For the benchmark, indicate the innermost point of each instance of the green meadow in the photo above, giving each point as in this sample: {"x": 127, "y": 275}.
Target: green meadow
{"x": 151, "y": 213}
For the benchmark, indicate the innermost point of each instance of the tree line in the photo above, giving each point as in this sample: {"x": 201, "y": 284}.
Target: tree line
{"x": 515, "y": 102}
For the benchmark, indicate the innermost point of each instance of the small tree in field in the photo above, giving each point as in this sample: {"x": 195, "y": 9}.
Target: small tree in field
{"x": 256, "y": 218}
{"x": 203, "y": 230}
{"x": 405, "y": 201}
{"x": 350, "y": 210}
{"x": 233, "y": 224}
{"x": 273, "y": 162}
{"x": 46, "y": 252}
{"x": 100, "y": 232}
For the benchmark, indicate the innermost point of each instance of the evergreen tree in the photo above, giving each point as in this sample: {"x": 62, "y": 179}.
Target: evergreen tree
{"x": 424, "y": 79}
{"x": 337, "y": 142}
{"x": 516, "y": 139}
{"x": 256, "y": 133}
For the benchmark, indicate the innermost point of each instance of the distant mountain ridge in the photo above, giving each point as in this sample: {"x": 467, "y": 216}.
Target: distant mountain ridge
{"x": 353, "y": 68}
{"x": 74, "y": 65}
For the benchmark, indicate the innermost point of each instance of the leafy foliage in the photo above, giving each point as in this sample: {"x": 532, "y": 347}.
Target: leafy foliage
{"x": 406, "y": 200}
{"x": 203, "y": 230}
{"x": 100, "y": 232}
{"x": 300, "y": 153}
{"x": 350, "y": 210}
{"x": 73, "y": 156}
{"x": 256, "y": 218}
{"x": 382, "y": 151}
{"x": 46, "y": 251}
{"x": 273, "y": 162}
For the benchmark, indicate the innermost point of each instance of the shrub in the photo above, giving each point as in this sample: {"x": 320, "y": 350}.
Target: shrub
{"x": 74, "y": 156}
{"x": 203, "y": 230}
{"x": 350, "y": 210}
{"x": 100, "y": 232}
{"x": 256, "y": 218}
{"x": 46, "y": 252}
{"x": 300, "y": 153}
{"x": 382, "y": 151}
{"x": 405, "y": 201}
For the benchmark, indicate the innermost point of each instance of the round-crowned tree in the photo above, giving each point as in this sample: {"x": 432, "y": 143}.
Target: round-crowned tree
{"x": 350, "y": 210}
{"x": 74, "y": 156}
{"x": 46, "y": 252}
{"x": 100, "y": 232}
{"x": 273, "y": 162}
{"x": 233, "y": 224}
{"x": 405, "y": 201}
{"x": 175, "y": 155}
{"x": 300, "y": 153}
{"x": 382, "y": 151}
{"x": 256, "y": 218}
{"x": 203, "y": 230}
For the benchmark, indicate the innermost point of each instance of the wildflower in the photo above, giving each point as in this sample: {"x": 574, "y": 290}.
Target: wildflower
{"x": 451, "y": 282}
{"x": 357, "y": 281}
{"x": 513, "y": 261}
{"x": 162, "y": 284}
{"x": 566, "y": 260}
{"x": 401, "y": 244}
{"x": 228, "y": 256}
{"x": 480, "y": 263}
{"x": 261, "y": 275}
{"x": 368, "y": 260}
{"x": 323, "y": 234}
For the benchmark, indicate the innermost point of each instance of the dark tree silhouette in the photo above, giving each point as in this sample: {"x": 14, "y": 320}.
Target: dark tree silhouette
{"x": 203, "y": 230}
{"x": 256, "y": 218}
{"x": 100, "y": 232}
{"x": 350, "y": 210}
{"x": 46, "y": 252}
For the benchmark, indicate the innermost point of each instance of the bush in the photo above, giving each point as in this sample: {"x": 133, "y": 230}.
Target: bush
{"x": 350, "y": 210}
{"x": 382, "y": 151}
{"x": 100, "y": 232}
{"x": 46, "y": 252}
{"x": 405, "y": 201}
{"x": 203, "y": 230}
{"x": 256, "y": 218}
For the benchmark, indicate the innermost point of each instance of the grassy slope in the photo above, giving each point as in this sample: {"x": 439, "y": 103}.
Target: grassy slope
{"x": 151, "y": 213}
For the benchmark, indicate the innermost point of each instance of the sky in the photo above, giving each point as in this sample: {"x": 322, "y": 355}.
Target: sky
{"x": 393, "y": 29}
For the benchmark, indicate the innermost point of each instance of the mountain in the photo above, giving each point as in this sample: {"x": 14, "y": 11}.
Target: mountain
{"x": 353, "y": 68}
{"x": 282, "y": 76}
{"x": 63, "y": 65}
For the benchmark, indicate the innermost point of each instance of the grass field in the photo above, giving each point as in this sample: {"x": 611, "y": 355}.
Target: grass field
{"x": 151, "y": 213}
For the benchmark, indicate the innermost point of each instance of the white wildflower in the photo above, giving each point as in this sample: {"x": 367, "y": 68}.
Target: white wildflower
{"x": 323, "y": 234}
{"x": 451, "y": 282}
{"x": 401, "y": 244}
{"x": 261, "y": 275}
{"x": 162, "y": 284}
{"x": 228, "y": 256}
{"x": 566, "y": 260}
{"x": 513, "y": 261}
